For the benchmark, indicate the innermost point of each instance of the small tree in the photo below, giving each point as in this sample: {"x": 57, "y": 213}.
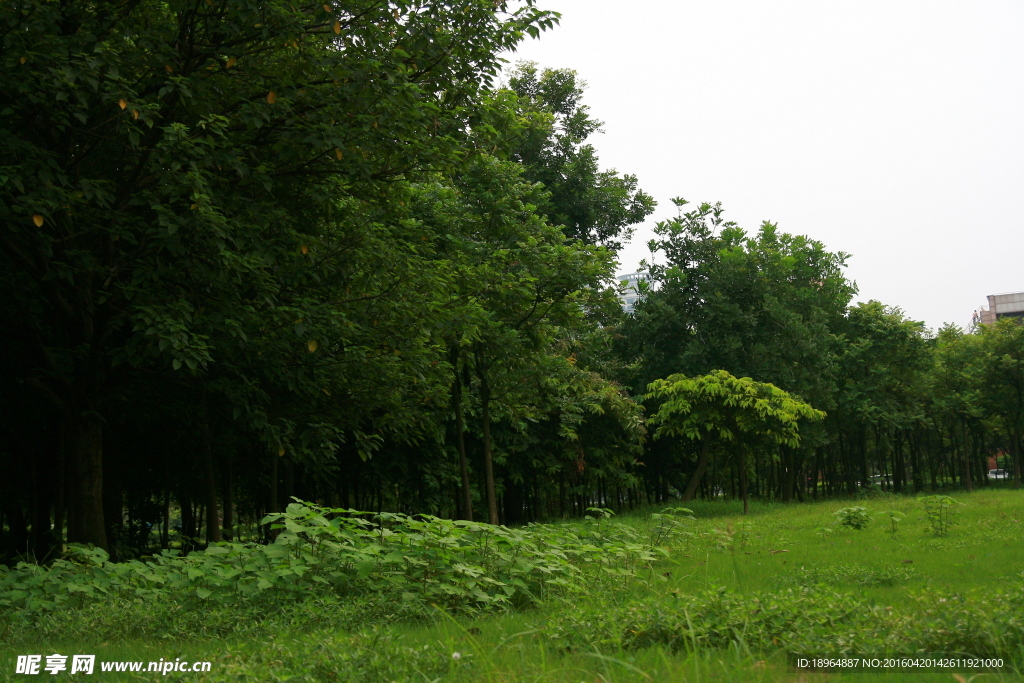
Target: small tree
{"x": 720, "y": 406}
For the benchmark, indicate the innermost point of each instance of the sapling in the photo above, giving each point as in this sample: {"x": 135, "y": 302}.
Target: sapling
{"x": 895, "y": 517}
{"x": 939, "y": 510}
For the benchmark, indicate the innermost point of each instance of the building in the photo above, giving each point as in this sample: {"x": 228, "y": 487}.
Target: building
{"x": 999, "y": 306}
{"x": 632, "y": 292}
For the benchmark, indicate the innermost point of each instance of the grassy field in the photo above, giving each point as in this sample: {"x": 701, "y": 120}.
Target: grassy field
{"x": 730, "y": 598}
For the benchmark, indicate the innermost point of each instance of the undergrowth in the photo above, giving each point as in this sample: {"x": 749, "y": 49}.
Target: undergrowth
{"x": 382, "y": 566}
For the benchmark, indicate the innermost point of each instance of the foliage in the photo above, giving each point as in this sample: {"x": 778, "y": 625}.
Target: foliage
{"x": 592, "y": 206}
{"x": 853, "y": 517}
{"x": 419, "y": 561}
{"x": 720, "y": 405}
{"x": 670, "y": 525}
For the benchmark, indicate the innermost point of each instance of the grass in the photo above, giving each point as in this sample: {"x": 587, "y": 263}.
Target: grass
{"x": 731, "y": 595}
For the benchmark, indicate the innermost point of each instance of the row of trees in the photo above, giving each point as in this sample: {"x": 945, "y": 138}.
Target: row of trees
{"x": 907, "y": 409}
{"x": 255, "y": 250}
{"x": 259, "y": 249}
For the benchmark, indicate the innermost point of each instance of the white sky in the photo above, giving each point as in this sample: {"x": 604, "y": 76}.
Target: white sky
{"x": 892, "y": 130}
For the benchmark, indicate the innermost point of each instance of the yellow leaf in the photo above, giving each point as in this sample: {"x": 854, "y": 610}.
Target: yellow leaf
{"x": 122, "y": 103}
{"x": 337, "y": 27}
{"x": 271, "y": 97}
{"x": 38, "y": 220}
{"x": 22, "y": 60}
{"x": 337, "y": 153}
{"x": 231, "y": 62}
{"x": 311, "y": 345}
{"x": 305, "y": 250}
{"x": 327, "y": 8}
{"x": 169, "y": 68}
{"x": 194, "y": 207}
{"x": 135, "y": 113}
{"x": 281, "y": 451}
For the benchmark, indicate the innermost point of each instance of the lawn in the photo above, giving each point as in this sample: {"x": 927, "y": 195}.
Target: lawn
{"x": 729, "y": 597}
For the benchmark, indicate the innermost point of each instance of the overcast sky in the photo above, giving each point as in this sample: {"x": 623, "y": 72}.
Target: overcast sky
{"x": 890, "y": 130}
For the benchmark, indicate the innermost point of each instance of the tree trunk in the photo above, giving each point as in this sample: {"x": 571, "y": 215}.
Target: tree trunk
{"x": 275, "y": 504}
{"x": 59, "y": 487}
{"x": 86, "y": 432}
{"x": 209, "y": 481}
{"x": 702, "y": 465}
{"x": 788, "y": 475}
{"x": 165, "y": 537}
{"x": 485, "y": 417}
{"x": 743, "y": 481}
{"x": 229, "y": 502}
{"x": 460, "y": 438}
{"x": 1015, "y": 458}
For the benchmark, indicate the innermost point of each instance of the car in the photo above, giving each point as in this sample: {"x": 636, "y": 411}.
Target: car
{"x": 998, "y": 474}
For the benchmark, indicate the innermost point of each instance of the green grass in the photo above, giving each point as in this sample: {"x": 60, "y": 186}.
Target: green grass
{"x": 772, "y": 568}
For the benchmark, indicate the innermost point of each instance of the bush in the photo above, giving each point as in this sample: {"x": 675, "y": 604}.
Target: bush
{"x": 854, "y": 518}
{"x": 416, "y": 562}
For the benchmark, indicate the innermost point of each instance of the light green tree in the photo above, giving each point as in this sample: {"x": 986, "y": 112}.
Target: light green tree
{"x": 720, "y": 407}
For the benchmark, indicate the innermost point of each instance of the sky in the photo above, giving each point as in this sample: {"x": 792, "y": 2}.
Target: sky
{"x": 890, "y": 130}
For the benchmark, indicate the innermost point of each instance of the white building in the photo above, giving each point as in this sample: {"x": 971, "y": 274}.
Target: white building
{"x": 999, "y": 306}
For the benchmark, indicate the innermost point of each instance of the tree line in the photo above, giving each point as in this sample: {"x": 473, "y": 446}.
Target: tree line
{"x": 252, "y": 251}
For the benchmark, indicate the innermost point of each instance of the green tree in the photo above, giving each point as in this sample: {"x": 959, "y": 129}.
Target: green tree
{"x": 762, "y": 305}
{"x": 592, "y": 206}
{"x": 720, "y": 407}
{"x": 882, "y": 360}
{"x": 1001, "y": 382}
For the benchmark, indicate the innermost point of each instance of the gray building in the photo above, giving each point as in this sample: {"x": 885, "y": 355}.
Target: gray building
{"x": 1000, "y": 306}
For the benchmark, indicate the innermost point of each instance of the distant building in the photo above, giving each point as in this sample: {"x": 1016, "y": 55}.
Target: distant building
{"x": 632, "y": 292}
{"x": 999, "y": 306}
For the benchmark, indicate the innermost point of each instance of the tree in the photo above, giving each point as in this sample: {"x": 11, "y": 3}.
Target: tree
{"x": 882, "y": 358}
{"x": 720, "y": 407}
{"x": 1002, "y": 382}
{"x": 762, "y": 305}
{"x": 592, "y": 206}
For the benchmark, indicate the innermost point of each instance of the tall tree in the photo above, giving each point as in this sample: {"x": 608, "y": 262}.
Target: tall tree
{"x": 594, "y": 206}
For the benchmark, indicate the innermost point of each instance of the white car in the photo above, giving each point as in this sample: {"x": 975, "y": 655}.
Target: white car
{"x": 998, "y": 474}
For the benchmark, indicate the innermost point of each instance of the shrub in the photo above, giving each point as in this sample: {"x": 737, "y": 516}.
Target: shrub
{"x": 854, "y": 518}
